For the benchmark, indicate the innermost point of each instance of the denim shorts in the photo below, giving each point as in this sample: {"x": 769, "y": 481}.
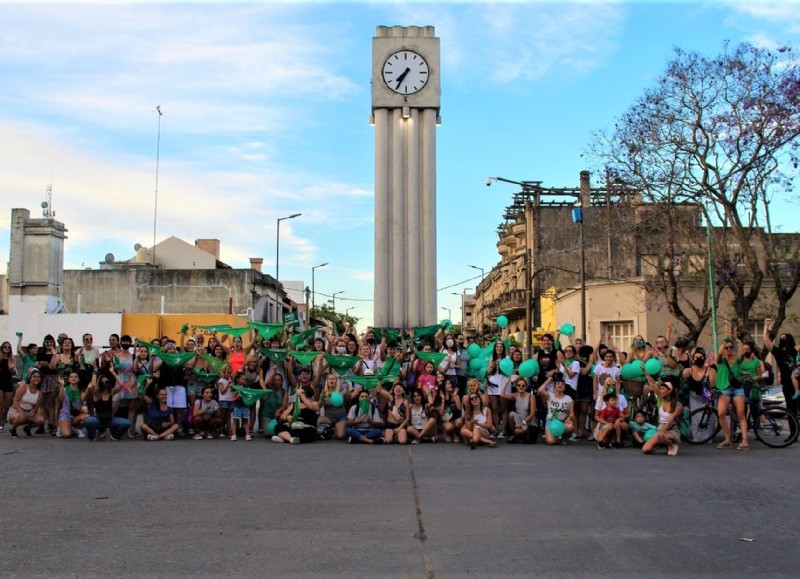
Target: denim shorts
{"x": 732, "y": 392}
{"x": 225, "y": 404}
{"x": 242, "y": 412}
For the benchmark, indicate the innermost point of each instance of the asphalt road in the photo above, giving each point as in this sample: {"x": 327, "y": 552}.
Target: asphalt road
{"x": 212, "y": 508}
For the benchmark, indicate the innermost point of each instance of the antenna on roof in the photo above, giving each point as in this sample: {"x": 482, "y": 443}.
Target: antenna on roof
{"x": 47, "y": 204}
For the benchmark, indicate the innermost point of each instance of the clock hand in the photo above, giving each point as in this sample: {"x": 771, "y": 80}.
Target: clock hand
{"x": 402, "y": 76}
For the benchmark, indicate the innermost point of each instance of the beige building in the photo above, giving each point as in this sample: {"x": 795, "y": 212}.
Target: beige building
{"x": 619, "y": 252}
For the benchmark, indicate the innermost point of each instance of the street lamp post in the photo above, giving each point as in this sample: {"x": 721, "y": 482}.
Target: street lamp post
{"x": 277, "y": 262}
{"x": 461, "y": 295}
{"x": 449, "y": 313}
{"x": 333, "y": 298}
{"x": 479, "y": 269}
{"x": 313, "y": 294}
{"x": 530, "y": 257}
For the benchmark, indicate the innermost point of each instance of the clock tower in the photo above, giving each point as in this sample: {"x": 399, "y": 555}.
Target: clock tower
{"x": 406, "y": 96}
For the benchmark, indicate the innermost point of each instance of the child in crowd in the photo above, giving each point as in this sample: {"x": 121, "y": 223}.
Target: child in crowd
{"x": 241, "y": 412}
{"x": 639, "y": 429}
{"x": 610, "y": 420}
{"x": 225, "y": 397}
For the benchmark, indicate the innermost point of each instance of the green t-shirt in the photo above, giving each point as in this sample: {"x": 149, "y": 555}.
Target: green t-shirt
{"x": 724, "y": 374}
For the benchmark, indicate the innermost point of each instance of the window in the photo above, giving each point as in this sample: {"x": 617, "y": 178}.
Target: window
{"x": 618, "y": 334}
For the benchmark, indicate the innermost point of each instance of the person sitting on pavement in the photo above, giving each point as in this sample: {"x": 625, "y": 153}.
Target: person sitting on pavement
{"x": 364, "y": 422}
{"x": 103, "y": 422}
{"x": 26, "y": 407}
{"x": 160, "y": 423}
{"x": 71, "y": 415}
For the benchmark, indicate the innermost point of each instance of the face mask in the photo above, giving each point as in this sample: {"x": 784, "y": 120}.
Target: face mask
{"x": 699, "y": 361}
{"x": 639, "y": 343}
{"x": 449, "y": 343}
{"x": 371, "y": 341}
{"x": 341, "y": 349}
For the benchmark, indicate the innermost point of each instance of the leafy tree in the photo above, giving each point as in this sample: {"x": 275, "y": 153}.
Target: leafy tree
{"x": 721, "y": 134}
{"x": 325, "y": 312}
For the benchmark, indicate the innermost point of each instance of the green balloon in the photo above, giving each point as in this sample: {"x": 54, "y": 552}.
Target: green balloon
{"x": 648, "y": 434}
{"x": 653, "y": 366}
{"x": 557, "y": 428}
{"x": 631, "y": 371}
{"x": 506, "y": 366}
{"x": 502, "y": 321}
{"x": 337, "y": 400}
{"x": 271, "y": 427}
{"x": 529, "y": 368}
{"x": 567, "y": 329}
{"x": 474, "y": 350}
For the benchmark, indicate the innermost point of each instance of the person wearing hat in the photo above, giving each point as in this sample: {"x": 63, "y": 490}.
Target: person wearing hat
{"x": 669, "y": 410}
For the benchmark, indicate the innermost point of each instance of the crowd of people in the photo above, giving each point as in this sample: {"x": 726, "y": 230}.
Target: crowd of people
{"x": 382, "y": 387}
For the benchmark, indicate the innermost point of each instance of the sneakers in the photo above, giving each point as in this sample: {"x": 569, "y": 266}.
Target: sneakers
{"x": 349, "y": 440}
{"x": 81, "y": 433}
{"x": 294, "y": 440}
{"x": 380, "y": 440}
{"x": 248, "y": 437}
{"x": 221, "y": 435}
{"x": 27, "y": 430}
{"x": 573, "y": 438}
{"x": 602, "y": 445}
{"x": 197, "y": 436}
{"x": 501, "y": 434}
{"x": 512, "y": 439}
{"x": 169, "y": 437}
{"x": 277, "y": 439}
{"x": 615, "y": 444}
{"x": 415, "y": 441}
{"x": 152, "y": 437}
{"x": 672, "y": 449}
{"x": 233, "y": 438}
{"x": 114, "y": 438}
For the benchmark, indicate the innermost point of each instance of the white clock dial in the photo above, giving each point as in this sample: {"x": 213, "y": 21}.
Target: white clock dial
{"x": 405, "y": 72}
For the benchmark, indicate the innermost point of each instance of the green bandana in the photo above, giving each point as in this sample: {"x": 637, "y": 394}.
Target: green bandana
{"x": 218, "y": 328}
{"x": 276, "y": 355}
{"x": 426, "y": 331}
{"x": 237, "y": 332}
{"x": 392, "y": 334}
{"x": 368, "y": 382}
{"x": 140, "y": 383}
{"x": 73, "y": 394}
{"x": 341, "y": 363}
{"x": 215, "y": 363}
{"x": 299, "y": 337}
{"x": 435, "y": 357}
{"x": 251, "y": 395}
{"x": 305, "y": 358}
{"x": 390, "y": 368}
{"x": 203, "y": 376}
{"x": 152, "y": 349}
{"x": 266, "y": 331}
{"x": 176, "y": 359}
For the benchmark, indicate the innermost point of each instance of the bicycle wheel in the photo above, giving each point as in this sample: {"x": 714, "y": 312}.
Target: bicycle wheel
{"x": 776, "y": 427}
{"x": 705, "y": 425}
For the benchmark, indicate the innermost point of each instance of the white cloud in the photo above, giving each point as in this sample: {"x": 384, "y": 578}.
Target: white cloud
{"x": 512, "y": 41}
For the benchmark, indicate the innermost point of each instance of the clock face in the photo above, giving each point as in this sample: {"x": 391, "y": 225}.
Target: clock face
{"x": 405, "y": 72}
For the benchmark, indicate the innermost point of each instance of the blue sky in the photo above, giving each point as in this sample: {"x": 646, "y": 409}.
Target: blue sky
{"x": 266, "y": 113}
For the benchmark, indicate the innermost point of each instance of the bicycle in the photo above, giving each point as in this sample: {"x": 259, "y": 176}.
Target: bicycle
{"x": 776, "y": 427}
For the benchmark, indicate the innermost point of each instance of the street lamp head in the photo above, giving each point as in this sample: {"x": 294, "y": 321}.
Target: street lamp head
{"x": 294, "y": 215}
{"x": 490, "y": 180}
{"x": 320, "y": 265}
